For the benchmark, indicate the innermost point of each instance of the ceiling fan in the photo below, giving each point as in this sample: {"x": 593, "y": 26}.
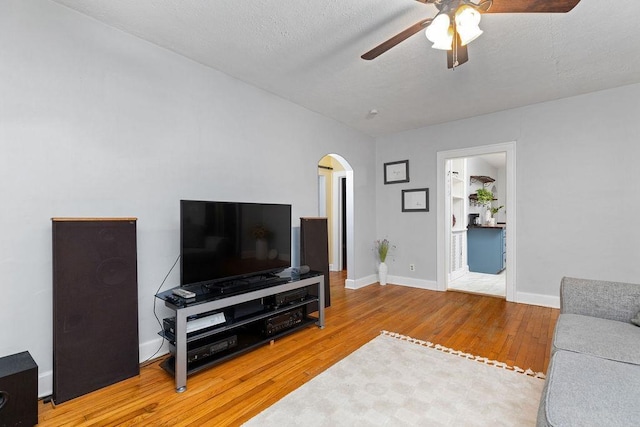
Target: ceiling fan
{"x": 456, "y": 24}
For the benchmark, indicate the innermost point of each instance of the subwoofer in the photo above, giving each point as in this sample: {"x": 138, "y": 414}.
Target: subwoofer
{"x": 314, "y": 252}
{"x": 18, "y": 390}
{"x": 95, "y": 304}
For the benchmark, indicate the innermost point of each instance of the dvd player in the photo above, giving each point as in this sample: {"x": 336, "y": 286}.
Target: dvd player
{"x": 275, "y": 324}
{"x": 210, "y": 349}
{"x": 195, "y": 325}
{"x": 288, "y": 297}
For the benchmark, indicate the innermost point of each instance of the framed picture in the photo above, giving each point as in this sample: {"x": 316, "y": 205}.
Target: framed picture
{"x": 416, "y": 200}
{"x": 395, "y": 172}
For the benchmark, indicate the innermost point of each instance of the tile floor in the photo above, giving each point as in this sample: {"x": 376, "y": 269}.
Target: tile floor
{"x": 480, "y": 283}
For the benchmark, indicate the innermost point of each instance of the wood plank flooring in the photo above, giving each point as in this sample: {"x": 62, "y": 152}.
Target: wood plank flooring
{"x": 233, "y": 392}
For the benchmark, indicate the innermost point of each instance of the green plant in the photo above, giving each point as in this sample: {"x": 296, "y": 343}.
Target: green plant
{"x": 495, "y": 210}
{"x": 484, "y": 196}
{"x": 382, "y": 247}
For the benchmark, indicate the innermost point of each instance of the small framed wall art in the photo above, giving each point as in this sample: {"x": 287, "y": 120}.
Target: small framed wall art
{"x": 416, "y": 200}
{"x": 395, "y": 172}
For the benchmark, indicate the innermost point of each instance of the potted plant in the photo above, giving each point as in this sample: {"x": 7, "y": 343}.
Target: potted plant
{"x": 484, "y": 196}
{"x": 495, "y": 210}
{"x": 492, "y": 220}
{"x": 382, "y": 249}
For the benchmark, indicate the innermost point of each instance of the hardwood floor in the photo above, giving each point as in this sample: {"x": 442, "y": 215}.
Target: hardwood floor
{"x": 231, "y": 393}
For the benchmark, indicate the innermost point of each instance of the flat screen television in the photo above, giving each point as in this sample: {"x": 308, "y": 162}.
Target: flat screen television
{"x": 225, "y": 241}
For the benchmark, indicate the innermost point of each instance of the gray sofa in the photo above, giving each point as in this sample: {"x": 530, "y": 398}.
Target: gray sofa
{"x": 594, "y": 374}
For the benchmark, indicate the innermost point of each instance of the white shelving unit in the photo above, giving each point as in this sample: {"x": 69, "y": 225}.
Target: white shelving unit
{"x": 459, "y": 209}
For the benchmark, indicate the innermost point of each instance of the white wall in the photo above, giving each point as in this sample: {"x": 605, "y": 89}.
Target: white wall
{"x": 94, "y": 122}
{"x": 577, "y": 191}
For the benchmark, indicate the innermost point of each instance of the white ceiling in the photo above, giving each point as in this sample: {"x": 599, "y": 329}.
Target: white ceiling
{"x": 309, "y": 52}
{"x": 497, "y": 160}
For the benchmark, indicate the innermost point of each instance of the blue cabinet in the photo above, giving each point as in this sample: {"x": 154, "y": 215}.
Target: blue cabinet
{"x": 486, "y": 249}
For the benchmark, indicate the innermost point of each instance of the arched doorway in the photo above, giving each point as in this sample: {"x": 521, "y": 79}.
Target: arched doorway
{"x": 335, "y": 201}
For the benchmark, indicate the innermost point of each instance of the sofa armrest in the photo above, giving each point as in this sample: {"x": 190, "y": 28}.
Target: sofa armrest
{"x": 597, "y": 298}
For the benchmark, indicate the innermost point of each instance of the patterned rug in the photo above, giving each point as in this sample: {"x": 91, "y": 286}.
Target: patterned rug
{"x": 394, "y": 380}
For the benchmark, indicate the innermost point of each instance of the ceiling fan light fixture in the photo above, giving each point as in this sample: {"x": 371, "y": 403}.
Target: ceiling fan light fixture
{"x": 467, "y": 19}
{"x": 440, "y": 32}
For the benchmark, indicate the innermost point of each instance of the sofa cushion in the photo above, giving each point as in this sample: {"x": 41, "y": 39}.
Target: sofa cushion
{"x": 597, "y": 298}
{"x": 583, "y": 390}
{"x": 605, "y": 338}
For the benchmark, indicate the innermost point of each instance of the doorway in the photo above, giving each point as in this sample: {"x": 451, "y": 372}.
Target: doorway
{"x": 335, "y": 201}
{"x": 477, "y": 241}
{"x": 468, "y": 258}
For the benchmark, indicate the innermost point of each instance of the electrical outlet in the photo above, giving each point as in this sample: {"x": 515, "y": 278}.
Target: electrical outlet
{"x": 412, "y": 267}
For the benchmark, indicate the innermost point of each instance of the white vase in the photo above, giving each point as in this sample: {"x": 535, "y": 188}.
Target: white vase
{"x": 487, "y": 216}
{"x": 382, "y": 273}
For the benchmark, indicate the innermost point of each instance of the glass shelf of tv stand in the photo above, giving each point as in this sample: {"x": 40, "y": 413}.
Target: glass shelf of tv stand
{"x": 203, "y": 295}
{"x": 246, "y": 343}
{"x": 244, "y": 321}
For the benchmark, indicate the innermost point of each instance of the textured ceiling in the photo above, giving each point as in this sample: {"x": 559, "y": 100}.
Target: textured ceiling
{"x": 309, "y": 53}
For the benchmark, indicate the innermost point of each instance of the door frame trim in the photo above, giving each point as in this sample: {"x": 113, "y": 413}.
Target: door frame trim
{"x": 337, "y": 219}
{"x": 444, "y": 244}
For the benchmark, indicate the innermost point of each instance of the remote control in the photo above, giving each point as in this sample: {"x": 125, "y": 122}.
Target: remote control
{"x": 183, "y": 293}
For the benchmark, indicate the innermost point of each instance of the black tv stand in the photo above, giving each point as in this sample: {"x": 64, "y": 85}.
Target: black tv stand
{"x": 245, "y": 332}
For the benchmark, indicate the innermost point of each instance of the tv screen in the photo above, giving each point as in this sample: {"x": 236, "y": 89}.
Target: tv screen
{"x": 222, "y": 241}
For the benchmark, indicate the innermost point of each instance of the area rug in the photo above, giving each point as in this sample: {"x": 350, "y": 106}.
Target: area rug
{"x": 395, "y": 380}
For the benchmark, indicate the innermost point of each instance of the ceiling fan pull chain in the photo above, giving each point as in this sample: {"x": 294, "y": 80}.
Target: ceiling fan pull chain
{"x": 455, "y": 47}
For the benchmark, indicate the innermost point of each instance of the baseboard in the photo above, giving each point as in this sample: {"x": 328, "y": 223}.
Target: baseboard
{"x": 392, "y": 280}
{"x": 45, "y": 384}
{"x": 148, "y": 349}
{"x": 538, "y": 299}
{"x": 361, "y": 283}
{"x": 431, "y": 285}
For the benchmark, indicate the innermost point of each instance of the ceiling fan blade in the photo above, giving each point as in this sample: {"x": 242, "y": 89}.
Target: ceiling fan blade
{"x": 532, "y": 6}
{"x": 397, "y": 39}
{"x": 457, "y": 56}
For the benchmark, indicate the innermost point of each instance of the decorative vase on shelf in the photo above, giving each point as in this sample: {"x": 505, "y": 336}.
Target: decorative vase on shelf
{"x": 487, "y": 216}
{"x": 382, "y": 273}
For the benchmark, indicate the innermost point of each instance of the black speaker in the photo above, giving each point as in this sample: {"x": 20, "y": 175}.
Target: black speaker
{"x": 18, "y": 390}
{"x": 95, "y": 304}
{"x": 314, "y": 252}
